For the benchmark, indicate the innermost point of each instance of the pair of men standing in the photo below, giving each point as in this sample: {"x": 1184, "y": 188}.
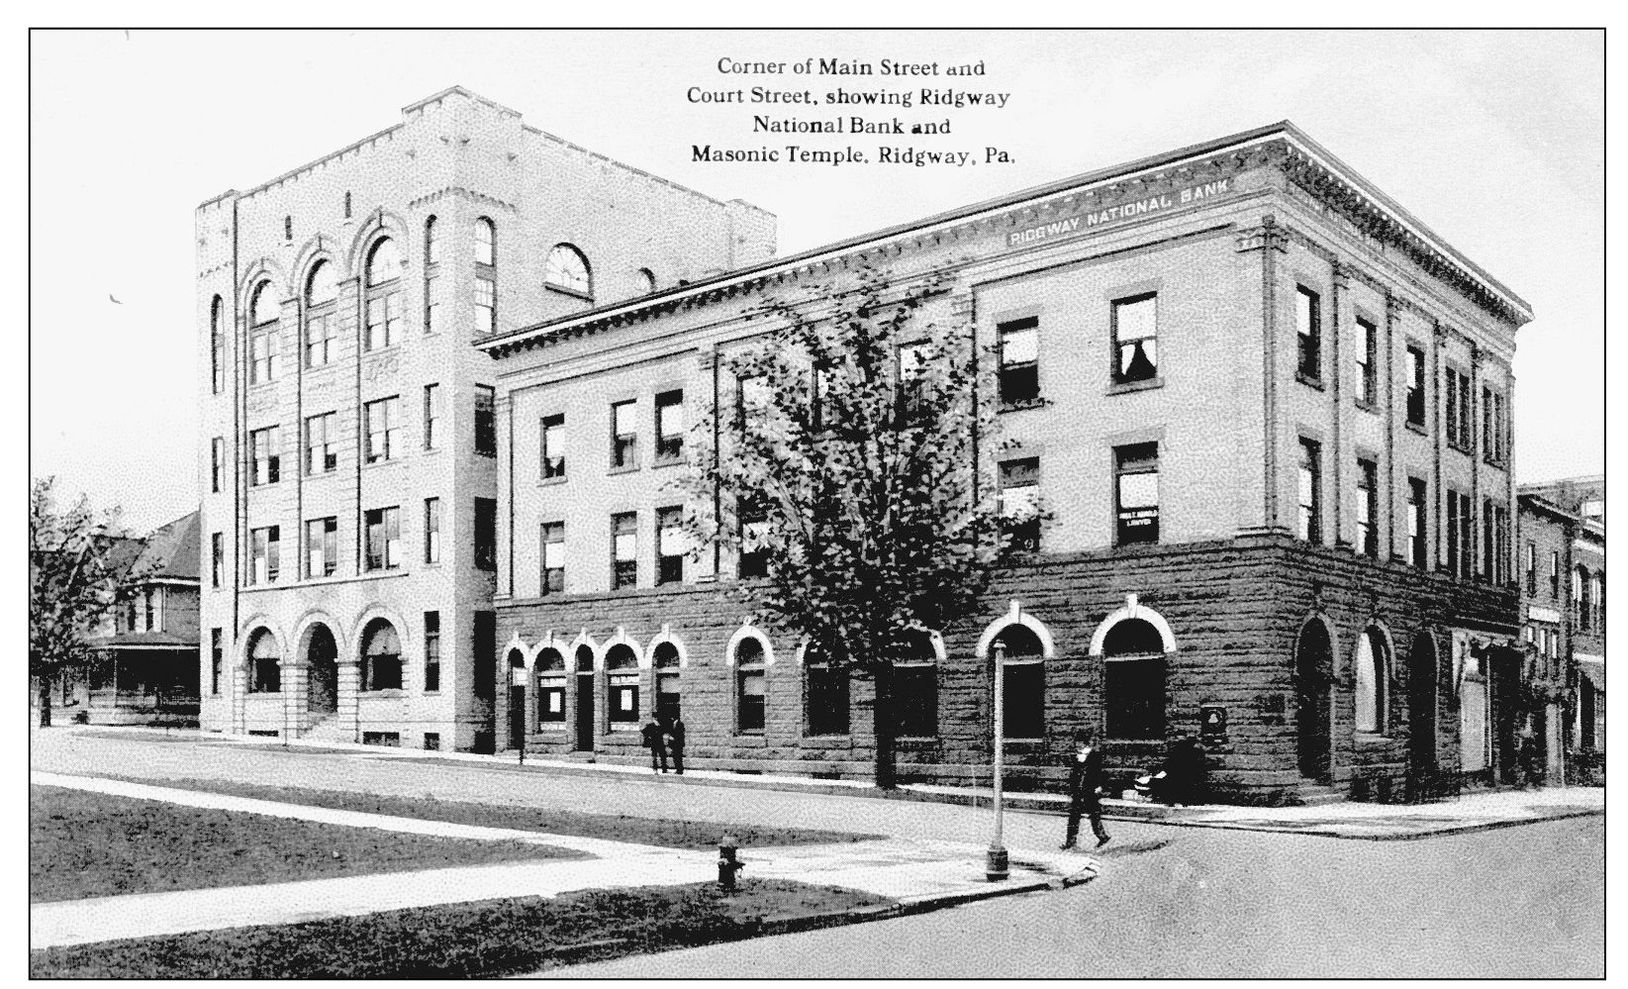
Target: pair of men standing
{"x": 661, "y": 737}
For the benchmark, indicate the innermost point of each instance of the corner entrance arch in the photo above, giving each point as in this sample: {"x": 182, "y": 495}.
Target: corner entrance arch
{"x": 322, "y": 671}
{"x": 1314, "y": 688}
{"x": 585, "y": 699}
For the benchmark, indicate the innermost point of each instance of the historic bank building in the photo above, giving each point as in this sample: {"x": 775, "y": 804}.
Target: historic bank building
{"x": 1274, "y": 439}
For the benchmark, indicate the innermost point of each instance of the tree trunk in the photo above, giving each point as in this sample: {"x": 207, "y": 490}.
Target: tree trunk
{"x": 882, "y": 712}
{"x": 45, "y": 701}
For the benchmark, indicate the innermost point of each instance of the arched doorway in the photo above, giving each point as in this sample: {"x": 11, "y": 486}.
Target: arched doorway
{"x": 1314, "y": 682}
{"x": 1422, "y": 676}
{"x": 585, "y": 699}
{"x": 322, "y": 671}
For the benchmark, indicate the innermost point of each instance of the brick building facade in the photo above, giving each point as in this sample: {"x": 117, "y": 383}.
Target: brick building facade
{"x": 1320, "y": 386}
{"x": 347, "y": 453}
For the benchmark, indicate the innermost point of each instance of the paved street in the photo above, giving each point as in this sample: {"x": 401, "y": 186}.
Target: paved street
{"x": 1170, "y": 901}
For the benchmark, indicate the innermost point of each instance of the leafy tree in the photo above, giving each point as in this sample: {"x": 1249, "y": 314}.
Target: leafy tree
{"x": 77, "y": 561}
{"x": 848, "y": 476}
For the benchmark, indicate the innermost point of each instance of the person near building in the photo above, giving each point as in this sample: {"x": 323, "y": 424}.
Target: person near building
{"x": 675, "y": 743}
{"x": 652, "y": 735}
{"x": 1085, "y": 789}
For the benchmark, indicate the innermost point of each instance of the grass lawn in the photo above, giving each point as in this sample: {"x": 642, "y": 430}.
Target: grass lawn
{"x": 701, "y": 835}
{"x": 90, "y": 844}
{"x": 489, "y": 938}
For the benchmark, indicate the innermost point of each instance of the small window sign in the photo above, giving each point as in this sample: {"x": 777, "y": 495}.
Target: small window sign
{"x": 1212, "y": 721}
{"x": 554, "y": 703}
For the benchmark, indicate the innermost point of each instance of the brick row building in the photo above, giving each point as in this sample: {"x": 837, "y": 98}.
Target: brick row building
{"x": 1274, "y": 438}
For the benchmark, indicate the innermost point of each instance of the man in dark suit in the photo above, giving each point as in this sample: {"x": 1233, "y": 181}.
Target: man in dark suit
{"x": 1085, "y": 789}
{"x": 652, "y": 735}
{"x": 675, "y": 743}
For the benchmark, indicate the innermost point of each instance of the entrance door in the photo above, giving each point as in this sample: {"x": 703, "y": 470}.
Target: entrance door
{"x": 322, "y": 663}
{"x": 1422, "y": 675}
{"x": 1314, "y": 677}
{"x": 585, "y": 712}
{"x": 1506, "y": 672}
{"x": 517, "y": 717}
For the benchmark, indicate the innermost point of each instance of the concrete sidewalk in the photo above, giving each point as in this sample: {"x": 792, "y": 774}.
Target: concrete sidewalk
{"x": 1474, "y": 811}
{"x": 916, "y": 873}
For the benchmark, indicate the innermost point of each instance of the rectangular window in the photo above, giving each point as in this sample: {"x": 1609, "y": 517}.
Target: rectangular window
{"x": 264, "y": 555}
{"x": 827, "y": 699}
{"x": 1135, "y": 328}
{"x": 1554, "y": 573}
{"x": 321, "y": 443}
{"x": 150, "y": 608}
{"x": 217, "y": 358}
{"x": 1309, "y": 331}
{"x": 486, "y": 533}
{"x": 1489, "y": 537}
{"x": 1466, "y": 534}
{"x": 265, "y": 456}
{"x": 553, "y": 447}
{"x": 753, "y": 517}
{"x": 263, "y": 347}
{"x": 752, "y": 397}
{"x": 553, "y": 558}
{"x": 670, "y": 426}
{"x": 915, "y": 700}
{"x": 1367, "y": 509}
{"x": 217, "y": 658}
{"x": 217, "y": 464}
{"x": 382, "y": 420}
{"x": 1531, "y": 568}
{"x": 383, "y": 538}
{"x": 1136, "y": 493}
{"x": 671, "y": 545}
{"x": 432, "y": 651}
{"x": 1418, "y": 541}
{"x": 1454, "y": 528}
{"x": 750, "y": 690}
{"x": 432, "y": 530}
{"x": 1020, "y": 503}
{"x": 1311, "y": 491}
{"x": 1367, "y": 347}
{"x": 1494, "y": 428}
{"x": 1416, "y": 386}
{"x": 1019, "y": 361}
{"x": 624, "y": 435}
{"x": 1460, "y": 411}
{"x": 320, "y": 332}
{"x": 1024, "y": 683}
{"x": 911, "y": 370}
{"x": 434, "y": 414}
{"x": 217, "y": 557}
{"x": 624, "y": 696}
{"x": 485, "y": 305}
{"x": 432, "y": 305}
{"x": 624, "y": 550}
{"x": 321, "y": 547}
{"x": 485, "y": 420}
{"x": 383, "y": 321}
{"x": 1133, "y": 690}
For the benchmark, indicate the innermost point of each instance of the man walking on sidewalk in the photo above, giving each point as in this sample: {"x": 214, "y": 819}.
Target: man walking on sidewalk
{"x": 651, "y": 733}
{"x": 1085, "y": 789}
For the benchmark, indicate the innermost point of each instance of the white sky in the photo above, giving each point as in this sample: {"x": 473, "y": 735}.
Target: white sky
{"x": 1493, "y": 139}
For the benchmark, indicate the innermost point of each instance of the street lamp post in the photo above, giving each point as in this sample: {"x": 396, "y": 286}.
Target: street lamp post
{"x": 996, "y": 865}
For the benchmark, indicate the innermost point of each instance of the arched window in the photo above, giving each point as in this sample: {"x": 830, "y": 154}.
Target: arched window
{"x": 1133, "y": 680}
{"x": 825, "y": 696}
{"x": 567, "y": 270}
{"x": 383, "y": 295}
{"x": 550, "y": 676}
{"x": 217, "y": 346}
{"x": 665, "y": 659}
{"x": 622, "y": 672}
{"x": 1370, "y": 664}
{"x": 485, "y": 276}
{"x": 381, "y": 656}
{"x": 647, "y": 281}
{"x": 432, "y": 258}
{"x": 751, "y": 685}
{"x": 915, "y": 689}
{"x": 321, "y": 322}
{"x": 265, "y": 663}
{"x": 264, "y": 343}
{"x": 1024, "y": 682}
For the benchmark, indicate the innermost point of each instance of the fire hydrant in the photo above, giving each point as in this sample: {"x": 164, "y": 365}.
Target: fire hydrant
{"x": 728, "y": 863}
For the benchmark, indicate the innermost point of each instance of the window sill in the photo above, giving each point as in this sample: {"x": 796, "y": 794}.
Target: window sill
{"x": 1310, "y": 382}
{"x": 1417, "y": 427}
{"x": 1461, "y": 449}
{"x": 549, "y": 482}
{"x": 1125, "y": 387}
{"x": 1026, "y": 742}
{"x": 319, "y": 475}
{"x": 749, "y": 733}
{"x": 321, "y": 369}
{"x": 669, "y": 462}
{"x": 624, "y": 469}
{"x": 384, "y": 693}
{"x": 1370, "y": 738}
{"x": 573, "y": 293}
{"x": 1498, "y": 464}
{"x": 835, "y": 736}
{"x": 1368, "y": 407}
{"x": 268, "y": 694}
{"x": 1019, "y": 406}
{"x": 380, "y": 351}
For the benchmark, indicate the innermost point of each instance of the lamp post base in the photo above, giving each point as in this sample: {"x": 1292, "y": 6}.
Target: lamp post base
{"x": 995, "y": 863}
